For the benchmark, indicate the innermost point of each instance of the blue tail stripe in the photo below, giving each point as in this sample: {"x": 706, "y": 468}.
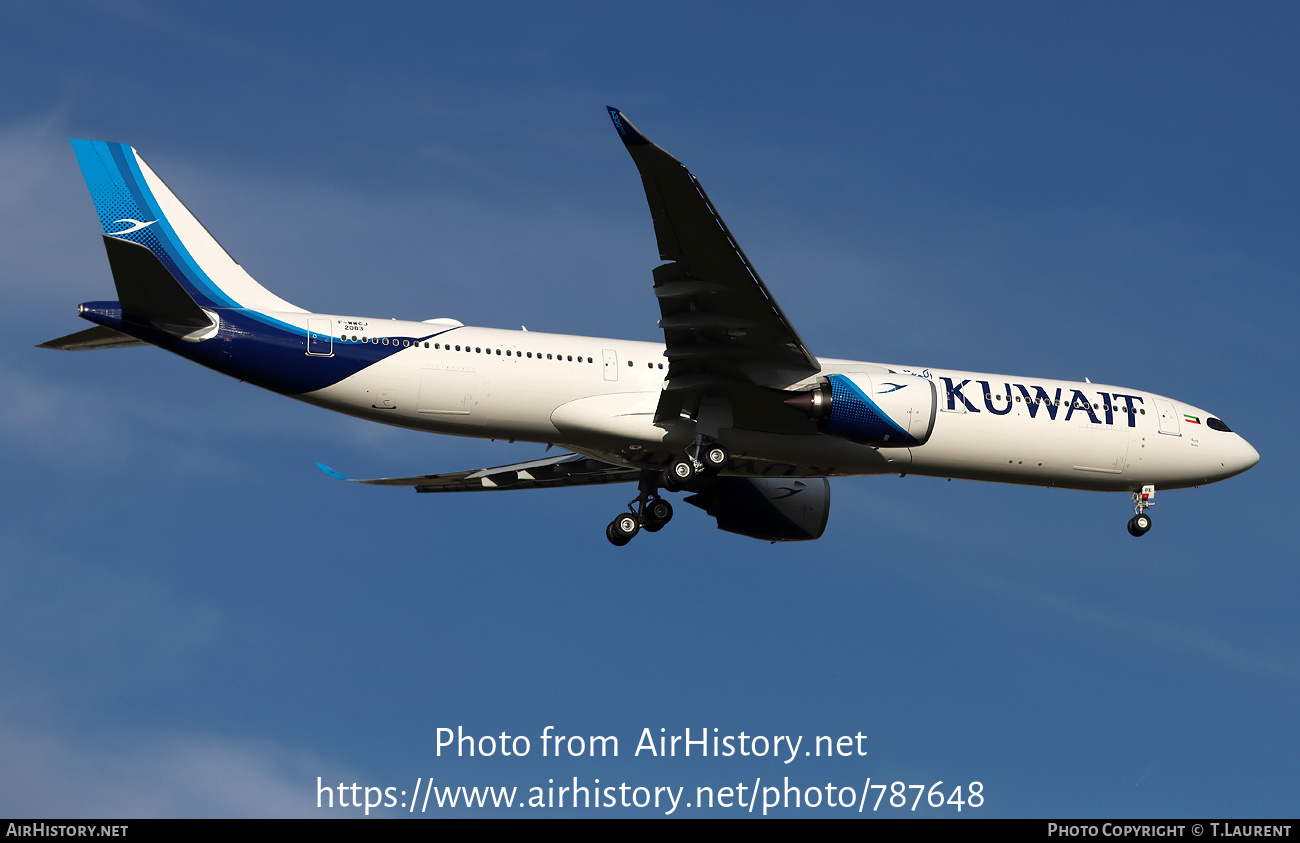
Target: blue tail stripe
{"x": 168, "y": 247}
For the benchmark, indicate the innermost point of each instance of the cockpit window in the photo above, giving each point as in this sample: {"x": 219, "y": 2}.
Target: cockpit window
{"x": 1215, "y": 424}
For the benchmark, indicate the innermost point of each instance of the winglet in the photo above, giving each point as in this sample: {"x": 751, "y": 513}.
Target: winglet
{"x": 626, "y": 131}
{"x": 331, "y": 472}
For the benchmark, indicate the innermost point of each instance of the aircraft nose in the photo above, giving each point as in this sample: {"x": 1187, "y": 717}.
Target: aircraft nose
{"x": 1241, "y": 458}
{"x": 1250, "y": 455}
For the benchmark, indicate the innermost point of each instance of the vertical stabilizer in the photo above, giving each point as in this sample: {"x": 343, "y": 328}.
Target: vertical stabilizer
{"x": 134, "y": 205}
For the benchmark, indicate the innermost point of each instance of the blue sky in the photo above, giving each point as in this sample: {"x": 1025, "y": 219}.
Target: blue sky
{"x": 200, "y": 623}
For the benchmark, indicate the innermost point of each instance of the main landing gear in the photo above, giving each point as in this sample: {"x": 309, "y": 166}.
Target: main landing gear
{"x": 1141, "y": 522}
{"x": 648, "y": 511}
{"x": 703, "y": 458}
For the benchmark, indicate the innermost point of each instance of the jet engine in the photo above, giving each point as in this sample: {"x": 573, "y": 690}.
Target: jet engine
{"x": 882, "y": 410}
{"x": 778, "y": 509}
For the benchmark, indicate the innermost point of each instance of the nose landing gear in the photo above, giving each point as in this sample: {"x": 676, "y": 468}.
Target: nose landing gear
{"x": 647, "y": 511}
{"x": 1141, "y": 522}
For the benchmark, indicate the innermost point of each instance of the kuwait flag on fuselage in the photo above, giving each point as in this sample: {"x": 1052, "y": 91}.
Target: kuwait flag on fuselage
{"x": 1191, "y": 419}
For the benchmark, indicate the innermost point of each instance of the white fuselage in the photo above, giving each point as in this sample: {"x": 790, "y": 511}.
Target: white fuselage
{"x": 599, "y": 396}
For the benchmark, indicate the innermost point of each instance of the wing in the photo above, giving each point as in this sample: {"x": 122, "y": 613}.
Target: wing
{"x": 723, "y": 329}
{"x": 560, "y": 470}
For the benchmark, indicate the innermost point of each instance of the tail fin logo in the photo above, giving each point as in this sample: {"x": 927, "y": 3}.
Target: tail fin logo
{"x": 135, "y": 225}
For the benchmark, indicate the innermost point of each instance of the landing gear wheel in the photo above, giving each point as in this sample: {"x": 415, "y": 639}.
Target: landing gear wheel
{"x": 681, "y": 473}
{"x": 616, "y": 538}
{"x": 621, "y": 530}
{"x": 715, "y": 458}
{"x": 626, "y": 525}
{"x": 658, "y": 512}
{"x": 1139, "y": 524}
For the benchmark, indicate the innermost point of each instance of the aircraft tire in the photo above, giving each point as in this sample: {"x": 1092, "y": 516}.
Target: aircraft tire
{"x": 715, "y": 458}
{"x": 658, "y": 512}
{"x": 615, "y": 537}
{"x": 1139, "y": 524}
{"x": 626, "y": 525}
{"x": 682, "y": 472}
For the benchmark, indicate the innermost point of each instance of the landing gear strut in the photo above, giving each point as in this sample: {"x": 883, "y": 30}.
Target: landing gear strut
{"x": 1141, "y": 522}
{"x": 647, "y": 511}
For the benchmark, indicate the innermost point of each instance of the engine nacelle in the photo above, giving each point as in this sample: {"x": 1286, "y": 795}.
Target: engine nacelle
{"x": 778, "y": 509}
{"x": 881, "y": 410}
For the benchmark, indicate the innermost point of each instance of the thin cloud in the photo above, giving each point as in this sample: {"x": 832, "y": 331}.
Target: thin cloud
{"x": 45, "y": 773}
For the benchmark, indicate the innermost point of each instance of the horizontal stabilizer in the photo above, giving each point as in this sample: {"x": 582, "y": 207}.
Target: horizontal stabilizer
{"x": 149, "y": 293}
{"x": 93, "y": 339}
{"x": 559, "y": 470}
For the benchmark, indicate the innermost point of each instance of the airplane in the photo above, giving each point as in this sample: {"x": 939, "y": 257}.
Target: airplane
{"x": 732, "y": 407}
